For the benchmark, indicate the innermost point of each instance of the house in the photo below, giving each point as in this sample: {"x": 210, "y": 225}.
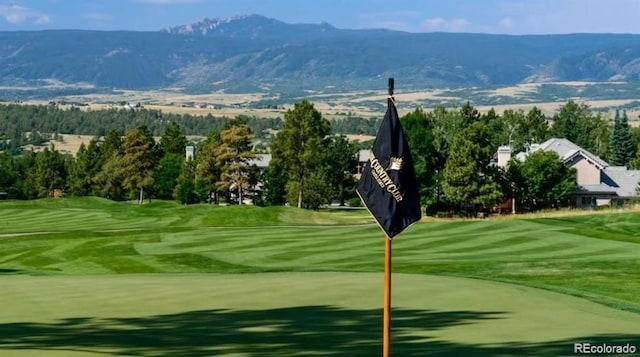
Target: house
{"x": 597, "y": 183}
{"x": 261, "y": 161}
{"x": 363, "y": 157}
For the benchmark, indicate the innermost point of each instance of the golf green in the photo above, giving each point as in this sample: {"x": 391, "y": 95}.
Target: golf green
{"x": 295, "y": 314}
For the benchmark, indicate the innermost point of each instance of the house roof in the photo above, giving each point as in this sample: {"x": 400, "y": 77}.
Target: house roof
{"x": 625, "y": 182}
{"x": 568, "y": 150}
{"x": 261, "y": 160}
{"x": 593, "y": 189}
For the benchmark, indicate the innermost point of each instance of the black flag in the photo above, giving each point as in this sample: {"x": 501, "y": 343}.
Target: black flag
{"x": 388, "y": 184}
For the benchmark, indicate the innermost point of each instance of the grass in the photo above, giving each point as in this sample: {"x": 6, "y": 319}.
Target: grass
{"x": 294, "y": 314}
{"x": 98, "y": 273}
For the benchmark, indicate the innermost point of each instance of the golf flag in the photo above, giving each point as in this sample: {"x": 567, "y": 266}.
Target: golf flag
{"x": 388, "y": 184}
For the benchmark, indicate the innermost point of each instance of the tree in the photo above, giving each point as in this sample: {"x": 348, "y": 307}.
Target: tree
{"x": 635, "y": 162}
{"x": 185, "y": 190}
{"x": 173, "y": 140}
{"x": 50, "y": 172}
{"x": 525, "y": 129}
{"x": 535, "y": 127}
{"x": 110, "y": 179}
{"x": 208, "y": 170}
{"x": 112, "y": 144}
{"x": 460, "y": 172}
{"x": 469, "y": 115}
{"x": 275, "y": 178}
{"x": 302, "y": 144}
{"x": 233, "y": 155}
{"x": 447, "y": 124}
{"x": 576, "y": 123}
{"x": 541, "y": 181}
{"x": 419, "y": 131}
{"x": 25, "y": 165}
{"x": 138, "y": 161}
{"x": 341, "y": 164}
{"x": 622, "y": 150}
{"x": 8, "y": 175}
{"x": 166, "y": 175}
{"x": 469, "y": 179}
{"x": 86, "y": 166}
{"x": 317, "y": 192}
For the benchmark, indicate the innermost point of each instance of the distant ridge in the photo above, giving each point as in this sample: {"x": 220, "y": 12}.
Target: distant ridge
{"x": 253, "y": 53}
{"x": 248, "y": 26}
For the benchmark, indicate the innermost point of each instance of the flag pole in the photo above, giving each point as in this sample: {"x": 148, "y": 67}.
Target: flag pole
{"x": 389, "y": 189}
{"x": 386, "y": 338}
{"x": 386, "y": 320}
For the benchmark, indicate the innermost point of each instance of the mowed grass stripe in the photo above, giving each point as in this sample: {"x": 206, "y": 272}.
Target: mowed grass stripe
{"x": 319, "y": 245}
{"x": 306, "y": 249}
{"x": 169, "y": 238}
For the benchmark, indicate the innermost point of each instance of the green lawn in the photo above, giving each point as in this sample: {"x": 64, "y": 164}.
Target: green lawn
{"x": 89, "y": 276}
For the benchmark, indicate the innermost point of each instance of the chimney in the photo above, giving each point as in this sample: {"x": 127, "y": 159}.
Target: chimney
{"x": 504, "y": 155}
{"x": 190, "y": 152}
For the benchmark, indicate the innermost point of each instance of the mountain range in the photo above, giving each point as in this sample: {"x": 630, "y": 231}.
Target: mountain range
{"x": 257, "y": 54}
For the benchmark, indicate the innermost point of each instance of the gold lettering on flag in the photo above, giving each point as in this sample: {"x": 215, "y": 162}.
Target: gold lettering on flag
{"x": 382, "y": 177}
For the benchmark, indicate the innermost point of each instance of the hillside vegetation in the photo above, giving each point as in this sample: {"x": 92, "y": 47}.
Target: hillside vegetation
{"x": 256, "y": 54}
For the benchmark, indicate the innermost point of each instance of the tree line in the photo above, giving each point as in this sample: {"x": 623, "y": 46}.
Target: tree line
{"x": 453, "y": 151}
{"x": 21, "y": 125}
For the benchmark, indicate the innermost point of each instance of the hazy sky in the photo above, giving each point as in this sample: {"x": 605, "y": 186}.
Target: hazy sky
{"x": 487, "y": 16}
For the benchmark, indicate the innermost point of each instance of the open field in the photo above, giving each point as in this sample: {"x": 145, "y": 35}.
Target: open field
{"x": 88, "y": 277}
{"x": 548, "y": 97}
{"x": 68, "y": 143}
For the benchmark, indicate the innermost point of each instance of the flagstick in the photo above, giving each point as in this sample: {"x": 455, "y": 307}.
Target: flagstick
{"x": 386, "y": 338}
{"x": 386, "y": 328}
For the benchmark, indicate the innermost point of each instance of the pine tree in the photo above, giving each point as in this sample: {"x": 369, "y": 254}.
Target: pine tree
{"x": 110, "y": 179}
{"x": 138, "y": 161}
{"x": 185, "y": 190}
{"x": 341, "y": 164}
{"x": 233, "y": 155}
{"x": 166, "y": 175}
{"x": 208, "y": 168}
{"x": 621, "y": 141}
{"x": 301, "y": 145}
{"x": 87, "y": 164}
{"x": 173, "y": 140}
{"x": 468, "y": 177}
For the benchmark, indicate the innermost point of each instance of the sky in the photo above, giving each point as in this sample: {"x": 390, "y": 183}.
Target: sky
{"x": 478, "y": 16}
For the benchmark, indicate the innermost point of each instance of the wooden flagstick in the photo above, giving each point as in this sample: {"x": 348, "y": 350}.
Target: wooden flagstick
{"x": 386, "y": 338}
{"x": 386, "y": 328}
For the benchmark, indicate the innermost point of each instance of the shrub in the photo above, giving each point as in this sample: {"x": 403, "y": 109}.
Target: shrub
{"x": 354, "y": 202}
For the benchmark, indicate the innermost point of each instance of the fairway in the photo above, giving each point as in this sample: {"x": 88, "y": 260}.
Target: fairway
{"x": 84, "y": 277}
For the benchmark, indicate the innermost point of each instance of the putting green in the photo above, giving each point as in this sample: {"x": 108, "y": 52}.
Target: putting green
{"x": 294, "y": 314}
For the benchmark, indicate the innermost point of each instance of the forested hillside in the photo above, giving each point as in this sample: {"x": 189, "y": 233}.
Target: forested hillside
{"x": 256, "y": 54}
